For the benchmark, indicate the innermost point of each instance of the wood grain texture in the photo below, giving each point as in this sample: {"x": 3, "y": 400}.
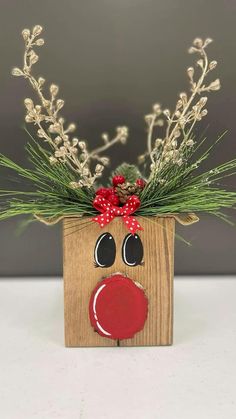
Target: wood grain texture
{"x": 156, "y": 277}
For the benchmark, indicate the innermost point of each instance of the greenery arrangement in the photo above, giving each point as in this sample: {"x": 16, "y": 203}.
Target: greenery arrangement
{"x": 62, "y": 180}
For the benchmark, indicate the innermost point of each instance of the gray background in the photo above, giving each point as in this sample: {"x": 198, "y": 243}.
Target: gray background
{"x": 112, "y": 60}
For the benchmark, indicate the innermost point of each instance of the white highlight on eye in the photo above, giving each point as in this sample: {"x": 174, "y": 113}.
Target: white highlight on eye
{"x": 95, "y": 313}
{"x": 96, "y": 250}
{"x": 124, "y": 251}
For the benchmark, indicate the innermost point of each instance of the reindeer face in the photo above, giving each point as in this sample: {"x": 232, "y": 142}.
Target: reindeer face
{"x": 117, "y": 284}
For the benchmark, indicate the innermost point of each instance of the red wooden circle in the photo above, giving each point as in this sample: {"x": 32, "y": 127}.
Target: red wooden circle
{"x": 118, "y": 307}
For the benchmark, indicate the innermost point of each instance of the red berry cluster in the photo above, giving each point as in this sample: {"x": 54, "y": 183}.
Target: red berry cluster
{"x": 110, "y": 193}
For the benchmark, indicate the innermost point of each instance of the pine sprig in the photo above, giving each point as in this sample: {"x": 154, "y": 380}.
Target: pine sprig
{"x": 47, "y": 193}
{"x": 184, "y": 190}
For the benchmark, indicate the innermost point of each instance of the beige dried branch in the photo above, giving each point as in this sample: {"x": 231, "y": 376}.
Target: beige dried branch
{"x": 51, "y": 126}
{"x": 189, "y": 109}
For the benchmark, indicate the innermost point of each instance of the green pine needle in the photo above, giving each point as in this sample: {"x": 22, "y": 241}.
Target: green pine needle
{"x": 46, "y": 188}
{"x": 185, "y": 189}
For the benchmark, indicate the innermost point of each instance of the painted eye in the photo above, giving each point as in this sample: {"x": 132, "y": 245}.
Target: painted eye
{"x": 132, "y": 250}
{"x": 105, "y": 251}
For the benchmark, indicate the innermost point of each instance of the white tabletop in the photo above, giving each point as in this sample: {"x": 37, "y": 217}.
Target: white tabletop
{"x": 195, "y": 378}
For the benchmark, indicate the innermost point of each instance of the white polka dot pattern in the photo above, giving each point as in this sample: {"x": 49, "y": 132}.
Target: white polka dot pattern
{"x": 109, "y": 212}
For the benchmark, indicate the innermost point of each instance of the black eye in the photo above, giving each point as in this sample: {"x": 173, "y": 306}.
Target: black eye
{"x": 132, "y": 250}
{"x": 105, "y": 251}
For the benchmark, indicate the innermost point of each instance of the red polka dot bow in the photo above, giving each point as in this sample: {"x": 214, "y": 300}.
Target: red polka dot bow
{"x": 110, "y": 211}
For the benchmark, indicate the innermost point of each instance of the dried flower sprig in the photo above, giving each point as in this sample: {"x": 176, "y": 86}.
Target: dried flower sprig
{"x": 190, "y": 108}
{"x": 51, "y": 126}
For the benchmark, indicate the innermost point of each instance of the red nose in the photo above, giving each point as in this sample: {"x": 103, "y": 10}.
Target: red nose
{"x": 118, "y": 307}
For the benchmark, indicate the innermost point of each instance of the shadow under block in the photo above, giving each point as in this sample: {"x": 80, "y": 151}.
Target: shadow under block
{"x": 155, "y": 276}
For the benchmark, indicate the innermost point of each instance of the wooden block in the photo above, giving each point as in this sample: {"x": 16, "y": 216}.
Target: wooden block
{"x": 155, "y": 276}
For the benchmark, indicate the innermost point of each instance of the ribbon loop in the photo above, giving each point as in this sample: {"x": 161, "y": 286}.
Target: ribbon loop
{"x": 109, "y": 212}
